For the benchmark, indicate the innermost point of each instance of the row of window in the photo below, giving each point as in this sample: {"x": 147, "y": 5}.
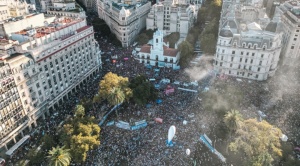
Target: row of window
{"x": 239, "y": 66}
{"x": 243, "y": 74}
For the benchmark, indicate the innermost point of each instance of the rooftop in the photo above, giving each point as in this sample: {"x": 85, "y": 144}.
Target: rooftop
{"x": 54, "y": 26}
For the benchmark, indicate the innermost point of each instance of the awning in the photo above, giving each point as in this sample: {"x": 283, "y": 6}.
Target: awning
{"x": 17, "y": 145}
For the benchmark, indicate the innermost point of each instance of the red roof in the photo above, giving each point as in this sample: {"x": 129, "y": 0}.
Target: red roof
{"x": 145, "y": 48}
{"x": 170, "y": 52}
{"x": 82, "y": 29}
{"x": 167, "y": 51}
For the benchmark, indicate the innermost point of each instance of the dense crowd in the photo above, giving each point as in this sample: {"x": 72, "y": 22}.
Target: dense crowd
{"x": 147, "y": 146}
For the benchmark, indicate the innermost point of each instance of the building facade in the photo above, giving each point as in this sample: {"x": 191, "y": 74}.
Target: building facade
{"x": 172, "y": 16}
{"x": 124, "y": 20}
{"x": 47, "y": 63}
{"x": 91, "y": 5}
{"x": 247, "y": 48}
{"x": 4, "y": 13}
{"x": 288, "y": 14}
{"x": 158, "y": 53}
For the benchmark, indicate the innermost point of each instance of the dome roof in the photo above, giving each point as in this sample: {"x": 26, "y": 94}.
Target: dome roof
{"x": 226, "y": 32}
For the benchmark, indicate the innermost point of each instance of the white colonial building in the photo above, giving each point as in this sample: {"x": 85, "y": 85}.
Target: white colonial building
{"x": 125, "y": 20}
{"x": 158, "y": 53}
{"x": 39, "y": 67}
{"x": 172, "y": 16}
{"x": 247, "y": 48}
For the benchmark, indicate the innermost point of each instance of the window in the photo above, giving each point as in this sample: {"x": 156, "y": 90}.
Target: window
{"x": 250, "y": 67}
{"x": 292, "y": 47}
{"x": 256, "y": 76}
{"x": 258, "y": 69}
{"x": 297, "y": 30}
{"x": 253, "y": 54}
{"x": 240, "y": 59}
{"x": 37, "y": 85}
{"x": 260, "y": 62}
{"x": 246, "y": 60}
{"x": 233, "y": 52}
{"x": 295, "y": 39}
{"x": 251, "y": 61}
{"x": 231, "y": 65}
{"x": 222, "y": 58}
{"x": 231, "y": 59}
{"x": 239, "y": 66}
{"x": 221, "y": 63}
{"x": 242, "y": 53}
{"x": 223, "y": 51}
{"x": 229, "y": 71}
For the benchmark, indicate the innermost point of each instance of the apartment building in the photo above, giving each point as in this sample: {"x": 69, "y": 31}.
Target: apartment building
{"x": 4, "y": 12}
{"x": 91, "y": 5}
{"x": 43, "y": 65}
{"x": 124, "y": 20}
{"x": 247, "y": 47}
{"x": 172, "y": 16}
{"x": 288, "y": 14}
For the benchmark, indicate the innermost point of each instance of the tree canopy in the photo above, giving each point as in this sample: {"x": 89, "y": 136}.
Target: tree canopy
{"x": 113, "y": 83}
{"x": 143, "y": 90}
{"x": 208, "y": 37}
{"x": 260, "y": 141}
{"x": 80, "y": 134}
{"x": 233, "y": 119}
{"x": 145, "y": 36}
{"x": 186, "y": 53}
{"x": 172, "y": 39}
{"x": 59, "y": 156}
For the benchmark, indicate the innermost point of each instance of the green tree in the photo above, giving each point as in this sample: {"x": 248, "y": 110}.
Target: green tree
{"x": 86, "y": 103}
{"x": 232, "y": 120}
{"x": 111, "y": 81}
{"x": 149, "y": 33}
{"x": 80, "y": 135}
{"x": 35, "y": 156}
{"x": 48, "y": 142}
{"x": 172, "y": 39}
{"x": 143, "y": 39}
{"x": 186, "y": 53}
{"x": 201, "y": 16}
{"x": 260, "y": 141}
{"x": 116, "y": 96}
{"x": 208, "y": 43}
{"x": 143, "y": 90}
{"x": 59, "y": 156}
{"x": 79, "y": 111}
{"x": 217, "y": 3}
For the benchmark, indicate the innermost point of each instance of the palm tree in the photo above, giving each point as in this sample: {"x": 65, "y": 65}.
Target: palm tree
{"x": 59, "y": 156}
{"x": 232, "y": 120}
{"x": 116, "y": 96}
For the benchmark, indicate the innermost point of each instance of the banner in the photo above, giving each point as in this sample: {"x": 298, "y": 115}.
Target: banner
{"x": 136, "y": 127}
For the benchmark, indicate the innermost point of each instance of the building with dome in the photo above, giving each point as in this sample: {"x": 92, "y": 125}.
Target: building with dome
{"x": 125, "y": 19}
{"x": 248, "y": 43}
{"x": 172, "y": 16}
{"x": 158, "y": 53}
